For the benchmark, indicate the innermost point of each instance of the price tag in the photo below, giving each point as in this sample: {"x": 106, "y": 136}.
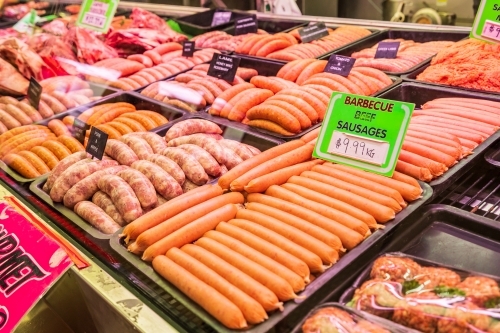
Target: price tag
{"x": 221, "y": 18}
{"x": 363, "y": 132}
{"x": 340, "y": 65}
{"x": 223, "y": 67}
{"x": 97, "y": 143}
{"x": 80, "y": 128}
{"x": 387, "y": 50}
{"x": 312, "y": 32}
{"x": 187, "y": 49}
{"x": 34, "y": 93}
{"x": 487, "y": 22}
{"x": 26, "y": 25}
{"x": 245, "y": 25}
{"x": 97, "y": 14}
{"x": 31, "y": 263}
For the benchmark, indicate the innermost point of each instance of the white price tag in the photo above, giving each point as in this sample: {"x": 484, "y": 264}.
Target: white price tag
{"x": 99, "y": 8}
{"x": 359, "y": 148}
{"x": 491, "y": 30}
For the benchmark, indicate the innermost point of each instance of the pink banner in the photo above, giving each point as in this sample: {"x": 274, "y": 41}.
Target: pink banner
{"x": 30, "y": 262}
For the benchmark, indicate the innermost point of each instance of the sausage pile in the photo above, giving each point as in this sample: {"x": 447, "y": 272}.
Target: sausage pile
{"x": 117, "y": 119}
{"x": 296, "y": 98}
{"x": 221, "y": 40}
{"x": 142, "y": 69}
{"x": 299, "y": 216}
{"x": 200, "y": 89}
{"x": 409, "y": 55}
{"x": 147, "y": 171}
{"x": 470, "y": 63}
{"x": 287, "y": 46}
{"x": 34, "y": 150}
{"x": 59, "y": 95}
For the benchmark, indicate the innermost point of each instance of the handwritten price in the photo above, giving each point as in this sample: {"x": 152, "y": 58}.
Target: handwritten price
{"x": 491, "y": 30}
{"x": 94, "y": 20}
{"x": 359, "y": 148}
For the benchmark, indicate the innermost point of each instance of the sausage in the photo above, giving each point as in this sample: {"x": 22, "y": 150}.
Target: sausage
{"x": 58, "y": 127}
{"x": 103, "y": 201}
{"x": 172, "y": 168}
{"x": 53, "y": 103}
{"x": 18, "y": 114}
{"x": 140, "y": 146}
{"x": 154, "y": 140}
{"x": 203, "y": 141}
{"x": 120, "y": 152}
{"x": 74, "y": 174}
{"x": 143, "y": 188}
{"x": 57, "y": 148}
{"x": 36, "y": 161}
{"x": 87, "y": 187}
{"x": 96, "y": 217}
{"x": 61, "y": 97}
{"x": 62, "y": 166}
{"x": 71, "y": 143}
{"x": 21, "y": 166}
{"x": 9, "y": 121}
{"x": 206, "y": 160}
{"x": 191, "y": 126}
{"x": 164, "y": 184}
{"x": 189, "y": 165}
{"x": 145, "y": 60}
{"x": 122, "y": 195}
{"x": 240, "y": 149}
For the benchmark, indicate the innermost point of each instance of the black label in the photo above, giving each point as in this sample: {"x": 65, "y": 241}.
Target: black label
{"x": 221, "y": 18}
{"x": 79, "y": 130}
{"x": 388, "y": 50}
{"x": 223, "y": 67}
{"x": 34, "y": 93}
{"x": 187, "y": 49}
{"x": 245, "y": 25}
{"x": 340, "y": 65}
{"x": 97, "y": 143}
{"x": 313, "y": 32}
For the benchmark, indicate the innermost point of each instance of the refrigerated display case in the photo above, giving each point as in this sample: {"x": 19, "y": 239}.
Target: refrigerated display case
{"x": 119, "y": 292}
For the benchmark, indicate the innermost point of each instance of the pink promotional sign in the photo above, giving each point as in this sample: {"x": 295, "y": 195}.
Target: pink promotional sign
{"x": 30, "y": 262}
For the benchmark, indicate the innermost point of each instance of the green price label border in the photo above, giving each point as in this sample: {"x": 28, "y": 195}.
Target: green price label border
{"x": 110, "y": 14}
{"x": 395, "y": 147}
{"x": 485, "y": 12}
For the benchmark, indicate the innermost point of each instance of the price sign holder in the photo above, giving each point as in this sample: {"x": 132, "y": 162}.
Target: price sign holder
{"x": 221, "y": 17}
{"x": 245, "y": 25}
{"x": 313, "y": 32}
{"x": 363, "y": 132}
{"x": 97, "y": 14}
{"x": 340, "y": 65}
{"x": 27, "y": 24}
{"x": 34, "y": 93}
{"x": 80, "y": 128}
{"x": 188, "y": 49}
{"x": 387, "y": 50}
{"x": 223, "y": 67}
{"x": 97, "y": 143}
{"x": 486, "y": 25}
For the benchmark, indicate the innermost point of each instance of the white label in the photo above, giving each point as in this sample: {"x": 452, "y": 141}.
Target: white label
{"x": 491, "y": 30}
{"x": 359, "y": 148}
{"x": 96, "y": 14}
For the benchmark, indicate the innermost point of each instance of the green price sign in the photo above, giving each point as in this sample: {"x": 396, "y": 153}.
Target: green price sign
{"x": 487, "y": 22}
{"x": 363, "y": 132}
{"x": 97, "y": 14}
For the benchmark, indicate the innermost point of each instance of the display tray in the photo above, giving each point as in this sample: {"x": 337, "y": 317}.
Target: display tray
{"x": 141, "y": 102}
{"x": 273, "y": 26}
{"x": 448, "y": 236}
{"x": 199, "y": 23}
{"x": 417, "y": 36}
{"x": 419, "y": 94}
{"x": 412, "y": 77}
{"x": 381, "y": 322}
{"x": 395, "y": 82}
{"x": 314, "y": 293}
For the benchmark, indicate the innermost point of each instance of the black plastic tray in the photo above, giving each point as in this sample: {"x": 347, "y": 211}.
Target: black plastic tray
{"x": 383, "y": 323}
{"x": 199, "y": 23}
{"x": 449, "y": 236}
{"x": 315, "y": 292}
{"x": 273, "y": 25}
{"x": 412, "y": 77}
{"x": 417, "y": 36}
{"x": 419, "y": 94}
{"x": 36, "y": 188}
